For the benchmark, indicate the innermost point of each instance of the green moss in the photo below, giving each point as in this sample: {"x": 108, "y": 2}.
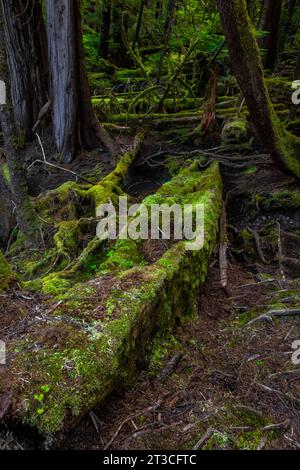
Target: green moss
{"x": 286, "y": 199}
{"x": 162, "y": 347}
{"x": 7, "y": 275}
{"x": 5, "y": 173}
{"x": 123, "y": 256}
{"x": 235, "y": 132}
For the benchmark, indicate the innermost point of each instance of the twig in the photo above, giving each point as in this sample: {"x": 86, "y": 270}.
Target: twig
{"x": 293, "y": 372}
{"x": 55, "y": 166}
{"x": 204, "y": 439}
{"x": 150, "y": 409}
{"x": 278, "y": 392}
{"x": 258, "y": 246}
{"x": 280, "y": 256}
{"x": 263, "y": 317}
{"x": 284, "y": 425}
{"x": 284, "y": 313}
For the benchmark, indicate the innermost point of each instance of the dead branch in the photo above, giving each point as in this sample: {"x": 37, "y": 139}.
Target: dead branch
{"x": 170, "y": 367}
{"x": 204, "y": 439}
{"x": 223, "y": 248}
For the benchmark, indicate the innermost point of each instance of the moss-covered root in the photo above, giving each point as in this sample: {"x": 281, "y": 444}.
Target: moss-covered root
{"x": 235, "y": 132}
{"x": 61, "y": 208}
{"x": 109, "y": 186}
{"x": 7, "y": 275}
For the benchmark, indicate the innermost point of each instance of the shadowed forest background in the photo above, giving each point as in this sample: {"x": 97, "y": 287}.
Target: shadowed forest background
{"x": 142, "y": 344}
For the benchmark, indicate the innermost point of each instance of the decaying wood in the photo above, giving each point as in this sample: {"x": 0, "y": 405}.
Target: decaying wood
{"x": 223, "y": 248}
{"x": 169, "y": 368}
{"x": 209, "y": 433}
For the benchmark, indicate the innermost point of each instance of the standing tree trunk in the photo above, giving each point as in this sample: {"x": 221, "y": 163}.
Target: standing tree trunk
{"x": 248, "y": 70}
{"x": 27, "y": 219}
{"x": 119, "y": 20}
{"x": 27, "y": 60}
{"x": 139, "y": 24}
{"x": 158, "y": 9}
{"x": 289, "y": 26}
{"x": 270, "y": 23}
{"x": 169, "y": 21}
{"x": 105, "y": 28}
{"x": 74, "y": 122}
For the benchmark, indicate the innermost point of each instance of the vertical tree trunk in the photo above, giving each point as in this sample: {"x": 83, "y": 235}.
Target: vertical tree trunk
{"x": 158, "y": 9}
{"x": 105, "y": 28}
{"x": 139, "y": 24}
{"x": 119, "y": 53}
{"x": 74, "y": 122}
{"x": 270, "y": 23}
{"x": 248, "y": 70}
{"x": 27, "y": 60}
{"x": 169, "y": 21}
{"x": 27, "y": 220}
{"x": 288, "y": 26}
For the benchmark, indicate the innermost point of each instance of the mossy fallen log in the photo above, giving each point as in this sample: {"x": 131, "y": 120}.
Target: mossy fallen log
{"x": 99, "y": 335}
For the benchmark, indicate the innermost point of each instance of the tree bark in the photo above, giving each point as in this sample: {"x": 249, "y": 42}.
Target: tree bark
{"x": 119, "y": 17}
{"x": 25, "y": 36}
{"x": 105, "y": 28}
{"x": 27, "y": 220}
{"x": 270, "y": 23}
{"x": 74, "y": 122}
{"x": 158, "y": 9}
{"x": 139, "y": 24}
{"x": 288, "y": 26}
{"x": 248, "y": 70}
{"x": 169, "y": 21}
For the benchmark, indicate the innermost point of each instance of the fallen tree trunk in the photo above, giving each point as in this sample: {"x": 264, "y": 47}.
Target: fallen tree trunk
{"x": 95, "y": 339}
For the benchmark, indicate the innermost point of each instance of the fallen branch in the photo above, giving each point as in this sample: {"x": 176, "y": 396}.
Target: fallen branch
{"x": 258, "y": 246}
{"x": 169, "y": 368}
{"x": 223, "y": 248}
{"x": 204, "y": 439}
{"x": 284, "y": 313}
{"x": 263, "y": 317}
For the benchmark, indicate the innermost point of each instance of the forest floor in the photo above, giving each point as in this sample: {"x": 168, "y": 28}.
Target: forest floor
{"x": 218, "y": 382}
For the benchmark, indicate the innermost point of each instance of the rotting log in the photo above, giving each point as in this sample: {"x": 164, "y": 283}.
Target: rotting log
{"x": 98, "y": 336}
